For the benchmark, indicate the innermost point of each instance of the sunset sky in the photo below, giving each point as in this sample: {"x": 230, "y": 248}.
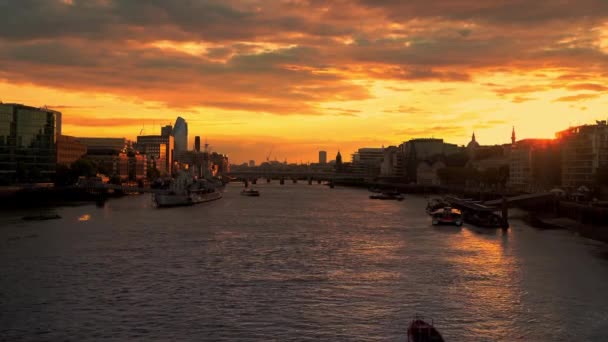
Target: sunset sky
{"x": 298, "y": 76}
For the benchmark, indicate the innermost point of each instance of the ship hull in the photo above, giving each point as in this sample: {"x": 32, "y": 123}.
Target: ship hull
{"x": 167, "y": 200}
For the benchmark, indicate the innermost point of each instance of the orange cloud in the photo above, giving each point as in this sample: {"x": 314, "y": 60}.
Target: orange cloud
{"x": 576, "y": 98}
{"x": 588, "y": 86}
{"x": 289, "y": 67}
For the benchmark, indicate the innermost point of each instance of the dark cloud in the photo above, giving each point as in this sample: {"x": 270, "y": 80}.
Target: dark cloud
{"x": 514, "y": 12}
{"x": 287, "y": 57}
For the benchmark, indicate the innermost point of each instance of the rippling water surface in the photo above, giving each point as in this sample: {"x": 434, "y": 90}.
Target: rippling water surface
{"x": 298, "y": 263}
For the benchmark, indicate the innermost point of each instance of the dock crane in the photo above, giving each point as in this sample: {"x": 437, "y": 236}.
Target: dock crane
{"x": 269, "y": 154}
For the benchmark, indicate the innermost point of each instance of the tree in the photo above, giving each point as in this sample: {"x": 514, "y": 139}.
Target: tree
{"x": 63, "y": 175}
{"x": 83, "y": 167}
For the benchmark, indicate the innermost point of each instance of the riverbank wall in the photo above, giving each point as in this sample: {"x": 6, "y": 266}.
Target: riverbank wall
{"x": 52, "y": 196}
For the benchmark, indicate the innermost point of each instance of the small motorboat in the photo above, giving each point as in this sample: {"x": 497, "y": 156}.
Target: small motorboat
{"x": 447, "y": 215}
{"x": 392, "y": 195}
{"x": 421, "y": 331}
{"x": 250, "y": 192}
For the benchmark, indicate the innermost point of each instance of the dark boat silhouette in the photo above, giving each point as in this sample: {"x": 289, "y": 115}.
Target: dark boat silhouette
{"x": 41, "y": 217}
{"x": 421, "y": 331}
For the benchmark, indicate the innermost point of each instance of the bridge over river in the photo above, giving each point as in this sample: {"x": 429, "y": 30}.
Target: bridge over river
{"x": 296, "y": 175}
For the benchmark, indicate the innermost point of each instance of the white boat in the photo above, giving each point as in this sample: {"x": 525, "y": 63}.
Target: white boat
{"x": 185, "y": 190}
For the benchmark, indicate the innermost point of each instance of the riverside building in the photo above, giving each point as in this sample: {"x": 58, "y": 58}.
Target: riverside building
{"x": 28, "y": 143}
{"x": 584, "y": 152}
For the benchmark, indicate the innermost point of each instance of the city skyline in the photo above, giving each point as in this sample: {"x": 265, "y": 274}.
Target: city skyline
{"x": 304, "y": 76}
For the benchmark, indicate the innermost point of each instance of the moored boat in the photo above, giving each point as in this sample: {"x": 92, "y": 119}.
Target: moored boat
{"x": 186, "y": 190}
{"x": 480, "y": 215}
{"x": 447, "y": 215}
{"x": 250, "y": 192}
{"x": 392, "y": 195}
{"x": 435, "y": 204}
{"x": 421, "y": 331}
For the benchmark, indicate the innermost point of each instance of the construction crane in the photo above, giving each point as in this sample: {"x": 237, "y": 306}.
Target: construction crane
{"x": 269, "y": 154}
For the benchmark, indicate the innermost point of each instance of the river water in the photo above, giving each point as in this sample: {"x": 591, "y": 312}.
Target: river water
{"x": 301, "y": 262}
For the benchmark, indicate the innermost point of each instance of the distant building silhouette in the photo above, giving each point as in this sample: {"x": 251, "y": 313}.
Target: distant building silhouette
{"x": 252, "y": 163}
{"x": 420, "y": 150}
{"x": 367, "y": 162}
{"x": 197, "y": 143}
{"x": 339, "y": 164}
{"x": 166, "y": 131}
{"x": 110, "y": 154}
{"x": 513, "y": 138}
{"x": 180, "y": 132}
{"x": 534, "y": 165}
{"x": 472, "y": 147}
{"x": 322, "y": 157}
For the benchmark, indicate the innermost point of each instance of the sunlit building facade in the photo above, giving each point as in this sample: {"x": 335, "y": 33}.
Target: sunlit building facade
{"x": 69, "y": 149}
{"x": 159, "y": 151}
{"x": 99, "y": 145}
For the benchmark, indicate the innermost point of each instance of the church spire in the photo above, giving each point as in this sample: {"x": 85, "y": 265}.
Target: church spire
{"x": 513, "y": 136}
{"x": 473, "y": 138}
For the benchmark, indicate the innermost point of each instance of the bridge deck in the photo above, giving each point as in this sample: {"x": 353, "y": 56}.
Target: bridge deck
{"x": 521, "y": 198}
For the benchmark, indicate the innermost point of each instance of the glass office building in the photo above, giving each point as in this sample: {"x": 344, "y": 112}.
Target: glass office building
{"x": 28, "y": 138}
{"x": 180, "y": 132}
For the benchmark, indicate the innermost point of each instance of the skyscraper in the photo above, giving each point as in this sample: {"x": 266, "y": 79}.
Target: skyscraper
{"x": 180, "y": 132}
{"x": 166, "y": 131}
{"x": 322, "y": 157}
{"x": 197, "y": 143}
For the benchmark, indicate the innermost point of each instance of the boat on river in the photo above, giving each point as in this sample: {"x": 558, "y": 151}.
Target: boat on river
{"x": 435, "y": 204}
{"x": 41, "y": 217}
{"x": 250, "y": 192}
{"x": 477, "y": 214}
{"x": 421, "y": 331}
{"x": 447, "y": 215}
{"x": 388, "y": 195}
{"x": 186, "y": 190}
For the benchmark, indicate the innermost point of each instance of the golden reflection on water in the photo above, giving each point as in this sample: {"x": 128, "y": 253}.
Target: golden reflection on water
{"x": 489, "y": 278}
{"x": 84, "y": 217}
